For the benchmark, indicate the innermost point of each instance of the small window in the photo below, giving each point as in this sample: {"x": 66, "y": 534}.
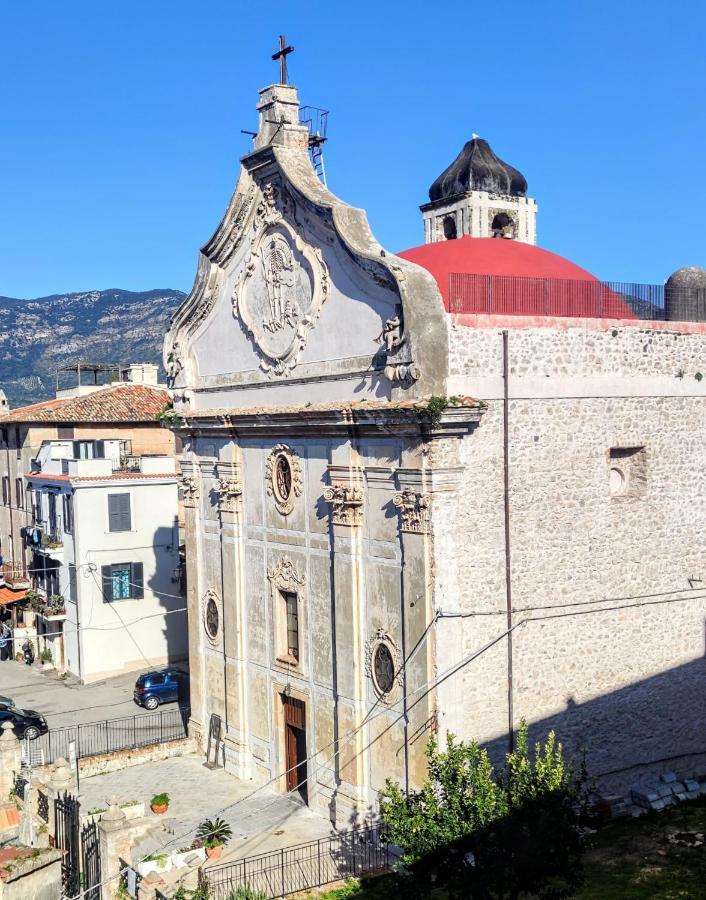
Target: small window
{"x": 122, "y": 581}
{"x": 19, "y": 493}
{"x": 18, "y": 441}
{"x": 68, "y": 513}
{"x": 450, "y": 232}
{"x": 503, "y": 226}
{"x": 5, "y": 490}
{"x": 292, "y": 620}
{"x": 119, "y": 518}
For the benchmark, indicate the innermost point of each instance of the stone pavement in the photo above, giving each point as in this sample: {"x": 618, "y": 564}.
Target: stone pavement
{"x": 67, "y": 702}
{"x": 266, "y": 821}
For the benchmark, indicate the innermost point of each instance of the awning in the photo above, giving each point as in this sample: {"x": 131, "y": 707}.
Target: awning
{"x": 7, "y": 596}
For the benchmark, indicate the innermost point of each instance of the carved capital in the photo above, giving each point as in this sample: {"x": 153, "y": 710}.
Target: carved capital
{"x": 414, "y": 510}
{"x": 230, "y": 490}
{"x": 190, "y": 490}
{"x": 346, "y": 504}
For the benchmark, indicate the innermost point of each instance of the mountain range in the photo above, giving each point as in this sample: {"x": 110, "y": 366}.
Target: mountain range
{"x": 114, "y": 326}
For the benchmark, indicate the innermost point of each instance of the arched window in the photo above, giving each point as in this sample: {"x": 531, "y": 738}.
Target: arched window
{"x": 503, "y": 226}
{"x": 450, "y": 228}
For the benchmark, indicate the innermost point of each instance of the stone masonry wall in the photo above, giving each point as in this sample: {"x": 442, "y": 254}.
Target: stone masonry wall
{"x": 614, "y": 657}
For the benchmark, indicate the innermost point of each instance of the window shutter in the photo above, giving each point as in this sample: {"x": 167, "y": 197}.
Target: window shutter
{"x": 100, "y": 449}
{"x": 107, "y": 583}
{"x": 119, "y": 512}
{"x": 137, "y": 591}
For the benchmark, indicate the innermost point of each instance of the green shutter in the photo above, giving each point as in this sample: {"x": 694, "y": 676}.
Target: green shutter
{"x": 119, "y": 512}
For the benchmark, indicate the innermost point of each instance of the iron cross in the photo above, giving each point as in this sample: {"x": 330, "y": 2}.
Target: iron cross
{"x": 281, "y": 55}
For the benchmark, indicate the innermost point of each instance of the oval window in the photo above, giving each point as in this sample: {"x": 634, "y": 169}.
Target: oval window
{"x": 212, "y": 618}
{"x": 383, "y": 669}
{"x": 283, "y": 478}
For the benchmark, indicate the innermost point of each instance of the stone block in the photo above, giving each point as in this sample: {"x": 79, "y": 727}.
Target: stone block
{"x": 690, "y": 784}
{"x": 644, "y": 796}
{"x": 667, "y": 777}
{"x": 658, "y": 805}
{"x": 664, "y": 790}
{"x": 677, "y": 787}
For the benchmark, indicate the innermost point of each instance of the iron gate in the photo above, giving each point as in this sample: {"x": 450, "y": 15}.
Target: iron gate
{"x": 66, "y": 831}
{"x": 91, "y": 861}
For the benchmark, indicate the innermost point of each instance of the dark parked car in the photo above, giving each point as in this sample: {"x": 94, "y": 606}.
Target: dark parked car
{"x": 160, "y": 686}
{"x": 26, "y": 723}
{"x": 6, "y": 701}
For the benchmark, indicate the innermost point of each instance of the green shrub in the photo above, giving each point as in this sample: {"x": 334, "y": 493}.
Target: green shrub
{"x": 160, "y": 799}
{"x": 478, "y": 834}
{"x": 245, "y": 893}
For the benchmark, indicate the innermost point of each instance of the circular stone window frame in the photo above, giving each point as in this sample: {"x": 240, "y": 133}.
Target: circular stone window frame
{"x": 211, "y": 597}
{"x": 380, "y": 638}
{"x": 284, "y": 505}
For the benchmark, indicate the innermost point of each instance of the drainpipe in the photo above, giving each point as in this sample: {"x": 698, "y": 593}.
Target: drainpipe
{"x": 508, "y": 568}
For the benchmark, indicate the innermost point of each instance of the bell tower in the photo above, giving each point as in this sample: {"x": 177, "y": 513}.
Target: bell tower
{"x": 481, "y": 196}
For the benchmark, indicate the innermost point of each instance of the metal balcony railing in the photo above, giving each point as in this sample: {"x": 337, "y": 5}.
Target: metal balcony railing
{"x": 513, "y": 296}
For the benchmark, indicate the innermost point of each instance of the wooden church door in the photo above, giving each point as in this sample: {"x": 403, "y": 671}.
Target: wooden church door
{"x": 295, "y": 744}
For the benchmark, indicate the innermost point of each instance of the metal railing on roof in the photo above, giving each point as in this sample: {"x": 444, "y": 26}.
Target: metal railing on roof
{"x": 517, "y": 296}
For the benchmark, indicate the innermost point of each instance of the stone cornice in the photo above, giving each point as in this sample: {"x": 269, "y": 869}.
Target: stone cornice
{"x": 393, "y": 418}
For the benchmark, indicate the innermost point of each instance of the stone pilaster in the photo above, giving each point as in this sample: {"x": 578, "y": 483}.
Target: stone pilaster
{"x": 230, "y": 494}
{"x": 191, "y": 498}
{"x": 414, "y": 503}
{"x": 346, "y": 502}
{"x": 10, "y": 755}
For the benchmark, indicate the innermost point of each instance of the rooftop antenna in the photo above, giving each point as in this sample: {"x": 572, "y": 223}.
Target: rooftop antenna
{"x": 316, "y": 120}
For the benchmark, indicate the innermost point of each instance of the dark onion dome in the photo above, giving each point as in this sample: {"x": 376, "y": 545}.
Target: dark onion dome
{"x": 685, "y": 295}
{"x": 477, "y": 168}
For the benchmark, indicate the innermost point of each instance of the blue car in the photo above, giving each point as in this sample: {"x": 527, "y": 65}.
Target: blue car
{"x": 159, "y": 686}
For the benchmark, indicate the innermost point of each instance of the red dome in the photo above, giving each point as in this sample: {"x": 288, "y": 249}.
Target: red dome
{"x": 509, "y": 261}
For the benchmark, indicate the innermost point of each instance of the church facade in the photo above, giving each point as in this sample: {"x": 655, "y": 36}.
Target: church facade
{"x": 409, "y": 511}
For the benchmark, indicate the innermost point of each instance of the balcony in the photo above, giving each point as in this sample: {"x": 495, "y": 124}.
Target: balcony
{"x": 14, "y": 577}
{"x": 50, "y": 608}
{"x": 46, "y": 537}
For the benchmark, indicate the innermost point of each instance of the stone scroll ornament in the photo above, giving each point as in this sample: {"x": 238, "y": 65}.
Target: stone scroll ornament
{"x": 414, "y": 510}
{"x": 230, "y": 491}
{"x": 283, "y": 478}
{"x": 346, "y": 504}
{"x": 212, "y": 615}
{"x": 189, "y": 490}
{"x": 282, "y": 287}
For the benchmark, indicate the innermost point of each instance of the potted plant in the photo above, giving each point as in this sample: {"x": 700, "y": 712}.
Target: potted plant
{"x": 215, "y": 833}
{"x": 159, "y": 803}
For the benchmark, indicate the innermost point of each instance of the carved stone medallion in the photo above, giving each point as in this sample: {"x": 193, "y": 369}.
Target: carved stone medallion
{"x": 281, "y": 288}
{"x": 283, "y": 476}
{"x": 211, "y": 608}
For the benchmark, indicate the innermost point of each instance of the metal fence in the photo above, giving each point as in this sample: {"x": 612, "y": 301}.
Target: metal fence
{"x": 509, "y": 295}
{"x": 112, "y": 735}
{"x": 350, "y": 854}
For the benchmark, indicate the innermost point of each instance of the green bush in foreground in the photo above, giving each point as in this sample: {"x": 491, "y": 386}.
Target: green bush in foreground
{"x": 475, "y": 833}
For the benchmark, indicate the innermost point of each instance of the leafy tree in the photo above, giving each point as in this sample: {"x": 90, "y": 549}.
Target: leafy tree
{"x": 476, "y": 834}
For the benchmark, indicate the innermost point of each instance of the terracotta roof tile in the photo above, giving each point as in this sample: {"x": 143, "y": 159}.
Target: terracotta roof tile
{"x": 126, "y": 403}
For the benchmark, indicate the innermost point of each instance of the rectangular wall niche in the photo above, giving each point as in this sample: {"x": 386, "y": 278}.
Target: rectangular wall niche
{"x": 627, "y": 471}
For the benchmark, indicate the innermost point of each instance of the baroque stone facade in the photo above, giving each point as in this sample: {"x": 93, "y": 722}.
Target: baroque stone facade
{"x": 345, "y": 535}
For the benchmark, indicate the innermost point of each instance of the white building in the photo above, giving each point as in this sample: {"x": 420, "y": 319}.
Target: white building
{"x": 106, "y": 557}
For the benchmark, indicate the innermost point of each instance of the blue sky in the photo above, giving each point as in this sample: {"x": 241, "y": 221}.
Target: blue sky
{"x": 120, "y": 124}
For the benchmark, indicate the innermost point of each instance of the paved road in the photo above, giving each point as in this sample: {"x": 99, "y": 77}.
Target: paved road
{"x": 66, "y": 702}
